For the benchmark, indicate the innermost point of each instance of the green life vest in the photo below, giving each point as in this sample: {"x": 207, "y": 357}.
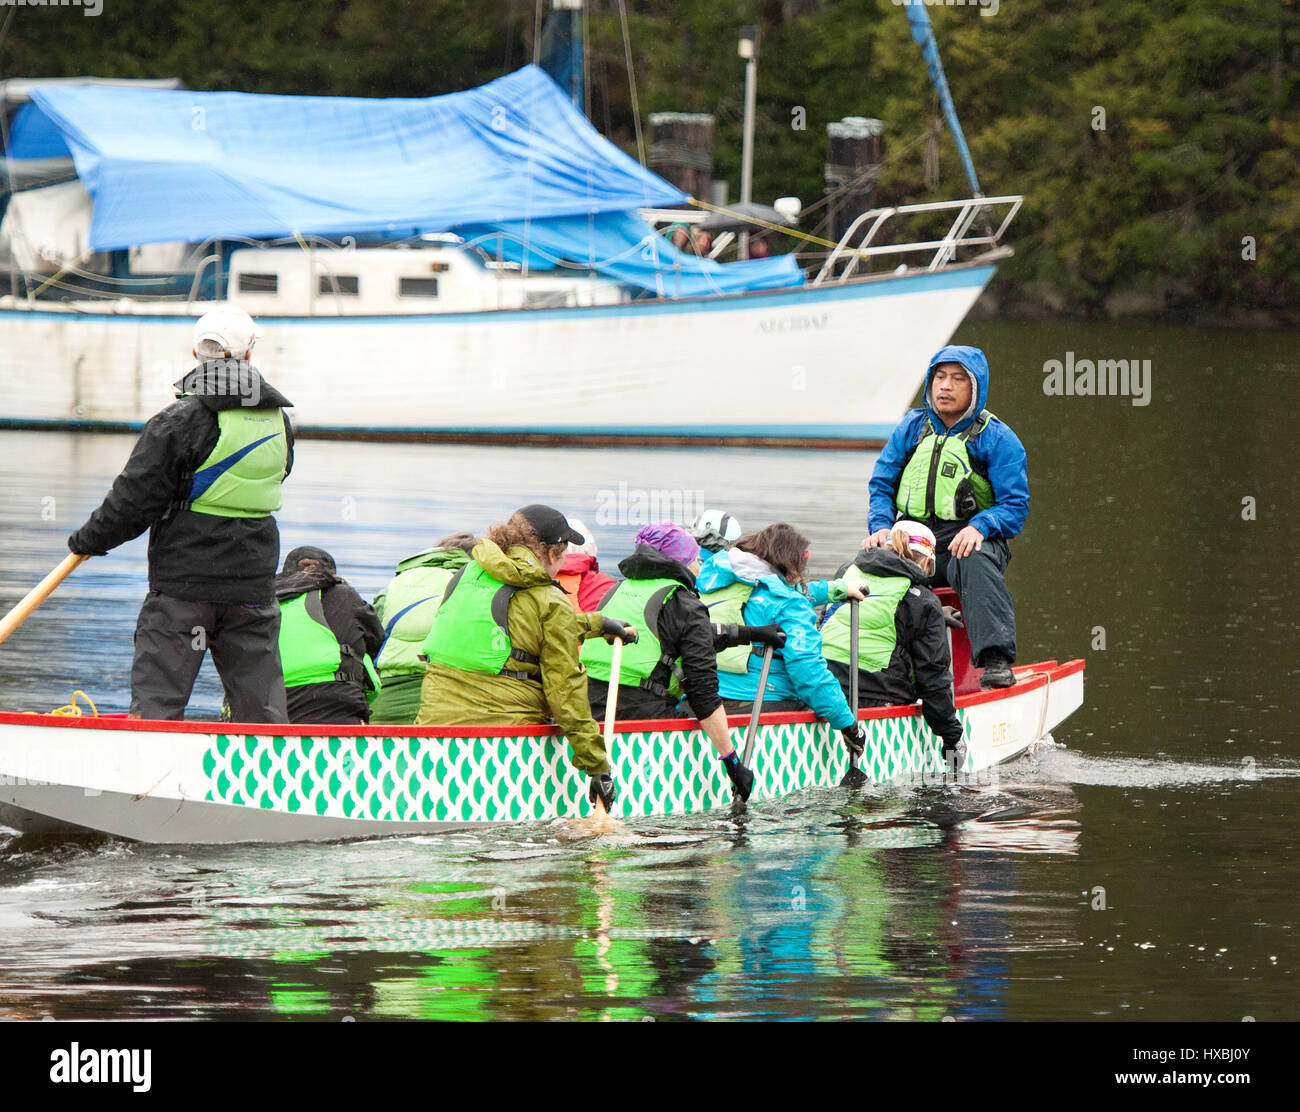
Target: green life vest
{"x": 410, "y": 604}
{"x": 727, "y": 607}
{"x": 877, "y": 634}
{"x": 939, "y": 481}
{"x": 241, "y": 476}
{"x": 471, "y": 630}
{"x": 309, "y": 650}
{"x": 638, "y": 603}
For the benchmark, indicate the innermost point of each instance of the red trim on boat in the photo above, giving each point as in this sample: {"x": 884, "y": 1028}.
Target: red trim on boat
{"x": 1029, "y": 678}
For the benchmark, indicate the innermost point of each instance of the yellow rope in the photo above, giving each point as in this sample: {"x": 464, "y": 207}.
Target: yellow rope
{"x": 71, "y": 710}
{"x": 763, "y": 223}
{"x": 60, "y": 273}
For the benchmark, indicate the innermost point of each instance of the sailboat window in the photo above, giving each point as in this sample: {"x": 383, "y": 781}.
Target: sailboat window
{"x": 346, "y": 284}
{"x": 418, "y": 287}
{"x": 259, "y": 283}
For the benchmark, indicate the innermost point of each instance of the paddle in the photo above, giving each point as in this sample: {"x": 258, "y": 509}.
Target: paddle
{"x": 611, "y": 707}
{"x": 38, "y": 594}
{"x": 752, "y": 732}
{"x": 855, "y": 777}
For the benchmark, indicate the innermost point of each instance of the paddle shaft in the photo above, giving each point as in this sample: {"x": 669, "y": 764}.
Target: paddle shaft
{"x": 611, "y": 706}
{"x": 752, "y": 733}
{"x": 38, "y": 595}
{"x": 853, "y": 668}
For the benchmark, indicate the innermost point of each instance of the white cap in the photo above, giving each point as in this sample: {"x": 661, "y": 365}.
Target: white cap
{"x": 588, "y": 544}
{"x": 919, "y": 536}
{"x": 228, "y": 327}
{"x": 717, "y": 521}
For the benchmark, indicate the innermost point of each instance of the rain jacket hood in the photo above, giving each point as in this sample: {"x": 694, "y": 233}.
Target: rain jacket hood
{"x": 887, "y": 562}
{"x": 516, "y": 567}
{"x": 647, "y": 562}
{"x": 977, "y": 366}
{"x": 294, "y": 583}
{"x": 434, "y": 558}
{"x": 228, "y": 384}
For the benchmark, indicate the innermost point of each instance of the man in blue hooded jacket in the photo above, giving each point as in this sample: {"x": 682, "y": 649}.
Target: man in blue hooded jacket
{"x": 958, "y": 469}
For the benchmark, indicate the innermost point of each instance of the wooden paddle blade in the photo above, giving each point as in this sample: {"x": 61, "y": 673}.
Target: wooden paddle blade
{"x": 38, "y": 594}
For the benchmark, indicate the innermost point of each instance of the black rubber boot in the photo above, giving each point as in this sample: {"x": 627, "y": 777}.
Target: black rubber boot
{"x": 997, "y": 670}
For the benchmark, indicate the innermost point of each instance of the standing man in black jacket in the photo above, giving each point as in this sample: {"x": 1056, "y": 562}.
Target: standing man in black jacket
{"x": 204, "y": 479}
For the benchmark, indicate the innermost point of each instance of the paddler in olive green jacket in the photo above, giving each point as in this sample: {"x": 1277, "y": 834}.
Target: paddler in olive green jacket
{"x": 503, "y": 649}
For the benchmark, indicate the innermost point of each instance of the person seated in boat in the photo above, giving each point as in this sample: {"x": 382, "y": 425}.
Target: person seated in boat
{"x": 405, "y": 608}
{"x": 902, "y": 634}
{"x": 759, "y": 248}
{"x": 503, "y": 647}
{"x": 759, "y": 581}
{"x": 715, "y": 530}
{"x": 329, "y": 636}
{"x": 703, "y": 243}
{"x": 580, "y": 576}
{"x": 679, "y": 235}
{"x": 204, "y": 478}
{"x": 953, "y": 466}
{"x": 675, "y": 652}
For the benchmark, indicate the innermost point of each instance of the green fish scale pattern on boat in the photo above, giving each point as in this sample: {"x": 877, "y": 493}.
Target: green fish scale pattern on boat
{"x": 518, "y": 779}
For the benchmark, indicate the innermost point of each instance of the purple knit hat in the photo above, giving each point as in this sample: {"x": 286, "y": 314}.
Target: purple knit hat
{"x": 672, "y": 540}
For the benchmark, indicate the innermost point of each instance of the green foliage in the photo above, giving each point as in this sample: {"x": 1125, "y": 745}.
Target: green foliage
{"x": 1201, "y": 145}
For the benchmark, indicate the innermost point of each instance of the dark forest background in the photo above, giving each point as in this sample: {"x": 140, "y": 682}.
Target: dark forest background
{"x": 1200, "y": 150}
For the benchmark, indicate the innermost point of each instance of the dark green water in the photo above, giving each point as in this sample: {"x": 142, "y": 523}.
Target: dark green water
{"x": 1171, "y": 800}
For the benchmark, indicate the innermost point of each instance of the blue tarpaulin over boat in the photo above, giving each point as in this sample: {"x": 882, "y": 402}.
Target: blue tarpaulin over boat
{"x": 32, "y": 134}
{"x": 165, "y": 166}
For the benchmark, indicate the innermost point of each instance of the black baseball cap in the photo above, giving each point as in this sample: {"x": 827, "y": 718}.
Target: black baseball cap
{"x": 551, "y": 526}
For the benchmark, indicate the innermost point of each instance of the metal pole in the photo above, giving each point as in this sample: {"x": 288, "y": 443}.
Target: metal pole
{"x": 748, "y": 51}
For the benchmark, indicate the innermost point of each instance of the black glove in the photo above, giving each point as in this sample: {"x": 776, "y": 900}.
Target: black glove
{"x": 612, "y": 627}
{"x": 741, "y": 776}
{"x": 855, "y": 737}
{"x": 772, "y": 635}
{"x": 602, "y": 788}
{"x": 952, "y": 617}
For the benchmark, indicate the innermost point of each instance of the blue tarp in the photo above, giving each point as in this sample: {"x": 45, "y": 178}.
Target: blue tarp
{"x": 181, "y": 165}
{"x": 32, "y": 134}
{"x": 512, "y": 156}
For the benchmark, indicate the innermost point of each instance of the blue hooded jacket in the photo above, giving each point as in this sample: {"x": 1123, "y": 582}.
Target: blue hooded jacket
{"x": 996, "y": 448}
{"x": 799, "y": 670}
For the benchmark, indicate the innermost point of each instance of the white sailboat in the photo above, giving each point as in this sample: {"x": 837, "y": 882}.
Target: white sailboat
{"x": 480, "y": 258}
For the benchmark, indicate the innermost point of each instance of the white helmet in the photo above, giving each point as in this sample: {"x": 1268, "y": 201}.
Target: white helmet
{"x": 588, "y": 544}
{"x": 227, "y": 328}
{"x": 719, "y": 522}
{"x": 919, "y": 537}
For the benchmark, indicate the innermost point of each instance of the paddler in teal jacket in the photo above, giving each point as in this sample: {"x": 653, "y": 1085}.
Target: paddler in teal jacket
{"x": 953, "y": 466}
{"x": 759, "y": 582}
{"x": 406, "y": 608}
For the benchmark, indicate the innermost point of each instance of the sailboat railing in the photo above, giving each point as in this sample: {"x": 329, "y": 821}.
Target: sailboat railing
{"x": 847, "y": 256}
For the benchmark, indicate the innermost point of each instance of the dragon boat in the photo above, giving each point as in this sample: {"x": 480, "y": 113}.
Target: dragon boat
{"x": 208, "y": 782}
